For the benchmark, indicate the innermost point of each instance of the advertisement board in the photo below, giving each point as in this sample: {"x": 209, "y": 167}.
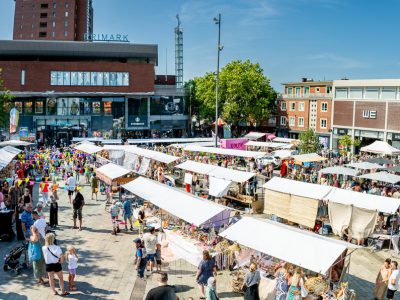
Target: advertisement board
{"x": 238, "y": 144}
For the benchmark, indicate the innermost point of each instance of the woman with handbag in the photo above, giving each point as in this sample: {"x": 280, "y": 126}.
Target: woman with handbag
{"x": 54, "y": 257}
{"x": 35, "y": 255}
{"x": 251, "y": 283}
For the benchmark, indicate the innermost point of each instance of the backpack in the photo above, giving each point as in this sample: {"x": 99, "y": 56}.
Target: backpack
{"x": 34, "y": 251}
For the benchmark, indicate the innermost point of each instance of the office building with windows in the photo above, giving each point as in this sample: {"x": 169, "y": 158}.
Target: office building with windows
{"x": 77, "y": 89}
{"x": 367, "y": 110}
{"x": 303, "y": 105}
{"x": 66, "y": 20}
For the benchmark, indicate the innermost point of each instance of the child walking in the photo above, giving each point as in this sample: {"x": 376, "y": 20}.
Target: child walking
{"x": 158, "y": 257}
{"x": 72, "y": 259}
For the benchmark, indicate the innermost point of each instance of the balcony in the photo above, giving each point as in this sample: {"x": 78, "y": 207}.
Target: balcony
{"x": 313, "y": 96}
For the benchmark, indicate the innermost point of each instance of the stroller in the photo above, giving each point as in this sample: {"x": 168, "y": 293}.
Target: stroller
{"x": 12, "y": 261}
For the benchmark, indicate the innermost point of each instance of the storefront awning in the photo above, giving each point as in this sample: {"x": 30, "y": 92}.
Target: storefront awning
{"x": 111, "y": 171}
{"x": 307, "y": 250}
{"x": 88, "y": 148}
{"x": 190, "y": 208}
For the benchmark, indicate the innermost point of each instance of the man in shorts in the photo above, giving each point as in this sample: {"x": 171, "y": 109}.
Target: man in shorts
{"x": 71, "y": 183}
{"x": 150, "y": 243}
{"x": 94, "y": 185}
{"x": 77, "y": 205}
{"x": 127, "y": 212}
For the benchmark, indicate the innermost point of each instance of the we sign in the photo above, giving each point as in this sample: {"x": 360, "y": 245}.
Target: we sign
{"x": 369, "y": 114}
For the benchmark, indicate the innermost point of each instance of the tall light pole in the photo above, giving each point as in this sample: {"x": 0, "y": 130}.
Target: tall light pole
{"x": 219, "y": 48}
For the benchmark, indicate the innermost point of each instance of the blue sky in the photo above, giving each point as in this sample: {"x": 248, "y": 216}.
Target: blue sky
{"x": 320, "y": 39}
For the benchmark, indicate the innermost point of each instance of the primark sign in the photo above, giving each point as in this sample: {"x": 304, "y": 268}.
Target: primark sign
{"x": 104, "y": 37}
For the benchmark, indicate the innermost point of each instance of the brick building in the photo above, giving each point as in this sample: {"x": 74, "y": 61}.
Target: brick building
{"x": 76, "y": 89}
{"x": 303, "y": 105}
{"x": 66, "y": 20}
{"x": 367, "y": 110}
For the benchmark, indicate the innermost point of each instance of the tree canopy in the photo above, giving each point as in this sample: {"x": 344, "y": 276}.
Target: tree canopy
{"x": 5, "y": 103}
{"x": 309, "y": 142}
{"x": 244, "y": 93}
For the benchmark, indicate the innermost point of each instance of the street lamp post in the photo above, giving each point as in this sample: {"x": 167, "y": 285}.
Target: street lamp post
{"x": 219, "y": 48}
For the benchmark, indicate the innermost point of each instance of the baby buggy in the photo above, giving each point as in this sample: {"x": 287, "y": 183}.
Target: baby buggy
{"x": 12, "y": 260}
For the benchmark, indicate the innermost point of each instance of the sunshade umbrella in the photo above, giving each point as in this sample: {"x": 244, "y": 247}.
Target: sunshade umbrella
{"x": 380, "y": 161}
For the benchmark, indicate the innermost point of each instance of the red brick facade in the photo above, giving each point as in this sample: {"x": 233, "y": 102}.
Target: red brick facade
{"x": 50, "y": 20}
{"x": 37, "y": 75}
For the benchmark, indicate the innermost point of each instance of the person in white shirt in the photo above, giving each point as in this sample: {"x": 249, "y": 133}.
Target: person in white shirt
{"x": 71, "y": 183}
{"x": 150, "y": 243}
{"x": 54, "y": 257}
{"x": 72, "y": 259}
{"x": 40, "y": 224}
{"x": 393, "y": 284}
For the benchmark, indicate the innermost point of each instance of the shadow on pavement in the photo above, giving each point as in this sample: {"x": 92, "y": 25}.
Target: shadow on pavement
{"x": 88, "y": 291}
{"x": 12, "y": 296}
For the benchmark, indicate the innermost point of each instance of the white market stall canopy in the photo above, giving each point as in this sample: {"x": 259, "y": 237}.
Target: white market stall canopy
{"x": 204, "y": 144}
{"x": 169, "y": 141}
{"x": 254, "y": 135}
{"x": 337, "y": 195}
{"x": 282, "y": 153}
{"x": 366, "y": 201}
{"x": 307, "y": 158}
{"x": 265, "y": 144}
{"x": 111, "y": 171}
{"x": 364, "y": 165}
{"x": 112, "y": 142}
{"x": 284, "y": 140}
{"x": 382, "y": 176}
{"x": 183, "y": 205}
{"x": 339, "y": 170}
{"x": 298, "y": 188}
{"x": 90, "y": 139}
{"x": 147, "y": 153}
{"x": 380, "y": 147}
{"x": 275, "y": 239}
{"x": 12, "y": 150}
{"x": 15, "y": 143}
{"x": 216, "y": 171}
{"x": 227, "y": 152}
{"x": 88, "y": 148}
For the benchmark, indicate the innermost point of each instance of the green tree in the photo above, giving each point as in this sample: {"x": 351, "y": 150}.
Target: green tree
{"x": 5, "y": 103}
{"x": 309, "y": 142}
{"x": 245, "y": 93}
{"x": 346, "y": 142}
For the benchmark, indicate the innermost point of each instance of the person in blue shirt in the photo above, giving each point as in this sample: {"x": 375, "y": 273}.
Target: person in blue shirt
{"x": 27, "y": 220}
{"x": 127, "y": 212}
{"x": 141, "y": 257}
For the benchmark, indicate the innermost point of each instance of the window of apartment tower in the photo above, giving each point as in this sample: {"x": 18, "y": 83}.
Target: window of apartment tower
{"x": 283, "y": 121}
{"x": 292, "y": 121}
{"x": 283, "y": 105}
{"x": 42, "y": 34}
{"x": 44, "y": 5}
{"x": 66, "y": 5}
{"x": 292, "y": 106}
{"x": 323, "y": 123}
{"x": 66, "y": 14}
{"x": 301, "y": 106}
{"x": 66, "y": 23}
{"x": 54, "y": 5}
{"x": 43, "y": 15}
{"x": 65, "y": 33}
{"x": 301, "y": 122}
{"x": 324, "y": 106}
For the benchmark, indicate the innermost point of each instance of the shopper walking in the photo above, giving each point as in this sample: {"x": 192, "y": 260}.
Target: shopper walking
{"x": 36, "y": 256}
{"x": 382, "y": 280}
{"x": 206, "y": 269}
{"x": 77, "y": 205}
{"x": 393, "y": 284}
{"x": 251, "y": 283}
{"x": 141, "y": 260}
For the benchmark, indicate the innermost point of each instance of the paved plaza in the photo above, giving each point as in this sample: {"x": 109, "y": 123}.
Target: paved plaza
{"x": 106, "y": 269}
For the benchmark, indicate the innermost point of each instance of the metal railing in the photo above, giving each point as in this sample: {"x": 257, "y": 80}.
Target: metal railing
{"x": 306, "y": 96}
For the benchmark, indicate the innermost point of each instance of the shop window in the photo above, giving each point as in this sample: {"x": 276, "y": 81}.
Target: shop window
{"x": 323, "y": 123}
{"x": 28, "y": 107}
{"x": 96, "y": 107}
{"x": 18, "y": 106}
{"x": 39, "y": 107}
{"x": 107, "y": 107}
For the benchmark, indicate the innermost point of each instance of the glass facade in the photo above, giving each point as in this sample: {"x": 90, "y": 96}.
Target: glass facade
{"x": 66, "y": 78}
{"x": 160, "y": 105}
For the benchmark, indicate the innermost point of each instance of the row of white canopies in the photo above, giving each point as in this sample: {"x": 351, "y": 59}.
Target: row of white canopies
{"x": 262, "y": 235}
{"x": 7, "y": 154}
